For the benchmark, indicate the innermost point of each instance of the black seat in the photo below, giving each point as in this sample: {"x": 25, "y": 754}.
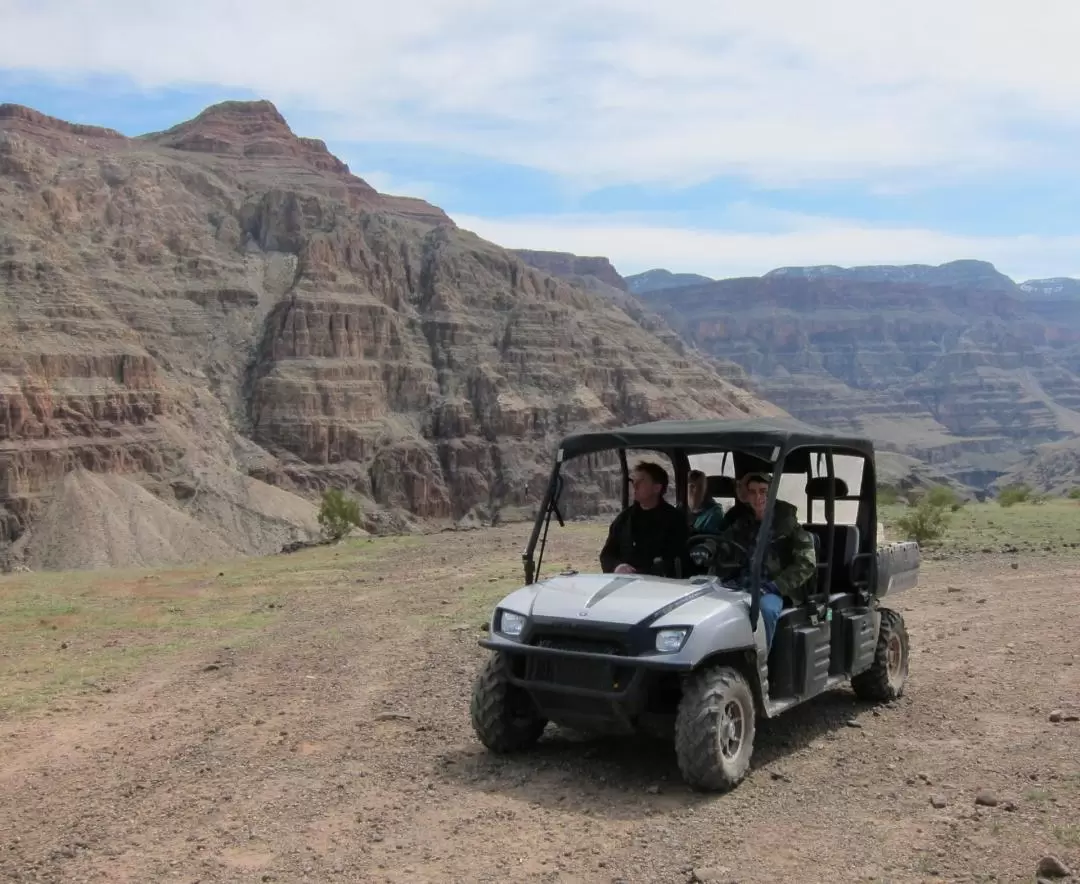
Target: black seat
{"x": 818, "y": 487}
{"x": 846, "y": 538}
{"x": 720, "y": 486}
{"x": 846, "y": 546}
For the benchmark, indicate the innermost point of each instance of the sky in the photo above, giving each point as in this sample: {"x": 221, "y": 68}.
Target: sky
{"x": 707, "y": 136}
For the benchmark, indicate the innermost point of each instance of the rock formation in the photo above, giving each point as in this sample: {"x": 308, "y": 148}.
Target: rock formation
{"x": 1053, "y": 467}
{"x": 655, "y": 280}
{"x": 956, "y": 365}
{"x": 568, "y": 266}
{"x": 223, "y": 320}
{"x": 598, "y": 275}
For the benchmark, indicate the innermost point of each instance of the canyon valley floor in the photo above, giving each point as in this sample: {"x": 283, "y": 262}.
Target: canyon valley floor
{"x": 305, "y": 718}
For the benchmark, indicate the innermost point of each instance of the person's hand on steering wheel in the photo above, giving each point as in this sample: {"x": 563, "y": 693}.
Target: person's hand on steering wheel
{"x": 723, "y": 555}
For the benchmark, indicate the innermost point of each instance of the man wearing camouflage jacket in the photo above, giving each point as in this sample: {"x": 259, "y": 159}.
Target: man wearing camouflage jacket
{"x": 789, "y": 561}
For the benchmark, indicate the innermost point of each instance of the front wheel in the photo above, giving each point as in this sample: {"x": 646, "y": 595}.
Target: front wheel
{"x": 714, "y": 729}
{"x": 503, "y": 715}
{"x": 886, "y": 677}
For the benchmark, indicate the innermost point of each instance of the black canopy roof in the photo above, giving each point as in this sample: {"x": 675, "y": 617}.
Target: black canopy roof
{"x": 749, "y": 434}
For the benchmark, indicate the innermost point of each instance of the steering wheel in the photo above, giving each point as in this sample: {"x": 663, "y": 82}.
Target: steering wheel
{"x": 717, "y": 554}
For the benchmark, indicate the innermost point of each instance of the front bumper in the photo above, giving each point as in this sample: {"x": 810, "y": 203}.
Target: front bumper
{"x": 585, "y": 689}
{"x": 660, "y": 662}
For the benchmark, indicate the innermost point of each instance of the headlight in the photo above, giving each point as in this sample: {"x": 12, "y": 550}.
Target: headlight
{"x": 668, "y": 641}
{"x": 511, "y": 623}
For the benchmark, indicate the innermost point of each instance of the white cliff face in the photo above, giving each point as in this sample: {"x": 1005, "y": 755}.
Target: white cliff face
{"x": 1058, "y": 285}
{"x": 980, "y": 273}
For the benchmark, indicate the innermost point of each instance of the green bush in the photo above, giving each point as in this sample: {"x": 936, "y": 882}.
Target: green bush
{"x": 1013, "y": 494}
{"x": 925, "y": 522}
{"x": 887, "y": 495}
{"x": 338, "y": 514}
{"x": 943, "y": 495}
{"x": 1074, "y": 493}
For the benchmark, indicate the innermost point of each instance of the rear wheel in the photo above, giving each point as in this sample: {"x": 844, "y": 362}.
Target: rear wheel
{"x": 886, "y": 677}
{"x": 503, "y": 715}
{"x": 714, "y": 729}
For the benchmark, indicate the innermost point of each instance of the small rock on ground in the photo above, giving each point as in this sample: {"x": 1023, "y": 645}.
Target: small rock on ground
{"x": 1052, "y": 867}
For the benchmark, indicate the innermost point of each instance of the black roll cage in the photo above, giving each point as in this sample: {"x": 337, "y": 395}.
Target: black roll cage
{"x": 749, "y": 457}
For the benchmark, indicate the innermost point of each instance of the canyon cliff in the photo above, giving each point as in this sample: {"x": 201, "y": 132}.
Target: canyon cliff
{"x": 205, "y": 327}
{"x": 956, "y": 365}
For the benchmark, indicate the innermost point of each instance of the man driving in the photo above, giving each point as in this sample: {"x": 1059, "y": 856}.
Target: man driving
{"x": 789, "y": 556}
{"x": 649, "y": 529}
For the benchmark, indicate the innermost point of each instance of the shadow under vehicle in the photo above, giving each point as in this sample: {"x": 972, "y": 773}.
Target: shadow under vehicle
{"x": 684, "y": 655}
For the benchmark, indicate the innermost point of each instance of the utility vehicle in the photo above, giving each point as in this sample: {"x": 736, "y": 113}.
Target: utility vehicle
{"x": 684, "y": 655}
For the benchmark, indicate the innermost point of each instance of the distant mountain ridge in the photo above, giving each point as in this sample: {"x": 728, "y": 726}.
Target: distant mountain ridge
{"x": 964, "y": 272}
{"x": 955, "y": 364}
{"x": 654, "y": 280}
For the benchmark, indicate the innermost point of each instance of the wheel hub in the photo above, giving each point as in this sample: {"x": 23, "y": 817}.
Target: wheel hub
{"x": 731, "y": 730}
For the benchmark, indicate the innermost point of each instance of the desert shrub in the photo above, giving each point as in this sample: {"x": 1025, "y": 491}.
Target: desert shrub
{"x": 925, "y": 522}
{"x": 887, "y": 495}
{"x": 338, "y": 514}
{"x": 1013, "y": 494}
{"x": 944, "y": 496}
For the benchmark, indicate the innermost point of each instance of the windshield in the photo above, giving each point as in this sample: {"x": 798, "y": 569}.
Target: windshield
{"x": 591, "y": 494}
{"x": 593, "y": 485}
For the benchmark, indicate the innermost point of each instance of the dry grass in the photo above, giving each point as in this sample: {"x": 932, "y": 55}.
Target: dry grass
{"x": 77, "y": 630}
{"x": 1053, "y": 526}
{"x": 332, "y": 742}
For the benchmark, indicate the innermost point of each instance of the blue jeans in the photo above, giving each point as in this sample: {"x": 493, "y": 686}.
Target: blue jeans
{"x": 771, "y": 606}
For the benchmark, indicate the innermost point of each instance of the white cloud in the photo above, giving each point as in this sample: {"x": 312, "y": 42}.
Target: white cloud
{"x": 616, "y": 91}
{"x": 634, "y": 244}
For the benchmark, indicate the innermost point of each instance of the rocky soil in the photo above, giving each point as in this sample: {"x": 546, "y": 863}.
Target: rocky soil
{"x": 336, "y": 746}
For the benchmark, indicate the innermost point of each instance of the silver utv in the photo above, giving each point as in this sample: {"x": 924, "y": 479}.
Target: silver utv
{"x": 685, "y": 654}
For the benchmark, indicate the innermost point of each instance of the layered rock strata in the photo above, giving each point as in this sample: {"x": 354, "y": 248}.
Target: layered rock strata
{"x": 223, "y": 314}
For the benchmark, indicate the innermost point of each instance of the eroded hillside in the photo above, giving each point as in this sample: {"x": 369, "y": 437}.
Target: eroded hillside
{"x": 224, "y": 320}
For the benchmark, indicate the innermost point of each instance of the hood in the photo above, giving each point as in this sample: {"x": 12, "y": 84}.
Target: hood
{"x": 617, "y": 598}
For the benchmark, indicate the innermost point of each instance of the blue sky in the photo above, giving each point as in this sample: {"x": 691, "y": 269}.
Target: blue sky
{"x": 700, "y": 136}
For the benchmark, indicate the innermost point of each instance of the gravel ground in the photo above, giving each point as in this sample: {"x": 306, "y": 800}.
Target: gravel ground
{"x": 337, "y": 747}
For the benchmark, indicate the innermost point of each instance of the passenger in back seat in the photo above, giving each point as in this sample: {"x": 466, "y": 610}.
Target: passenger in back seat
{"x": 705, "y": 514}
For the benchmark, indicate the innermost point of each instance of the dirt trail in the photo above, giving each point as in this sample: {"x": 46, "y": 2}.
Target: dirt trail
{"x": 337, "y": 747}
